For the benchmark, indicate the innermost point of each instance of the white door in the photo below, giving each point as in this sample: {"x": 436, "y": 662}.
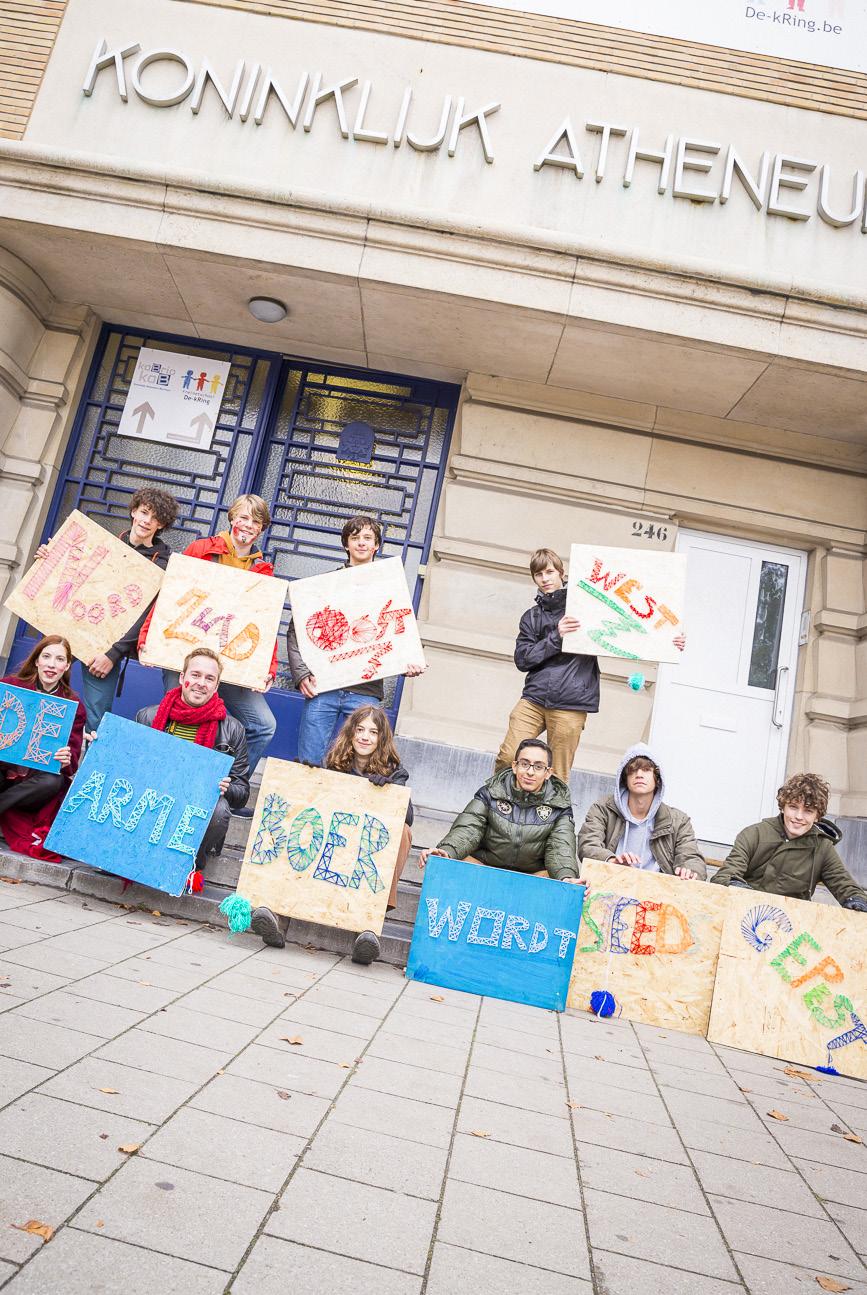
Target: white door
{"x": 721, "y": 717}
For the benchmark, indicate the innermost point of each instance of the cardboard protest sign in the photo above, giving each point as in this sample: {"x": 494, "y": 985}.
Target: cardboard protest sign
{"x": 323, "y": 846}
{"x": 792, "y": 982}
{"x": 90, "y": 588}
{"x": 652, "y": 942}
{"x": 235, "y": 613}
{"x": 356, "y": 624}
{"x": 139, "y": 804}
{"x": 494, "y": 932}
{"x": 630, "y": 602}
{"x": 33, "y": 726}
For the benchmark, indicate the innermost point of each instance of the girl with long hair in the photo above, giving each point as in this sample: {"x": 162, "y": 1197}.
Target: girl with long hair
{"x": 364, "y": 747}
{"x": 30, "y": 799}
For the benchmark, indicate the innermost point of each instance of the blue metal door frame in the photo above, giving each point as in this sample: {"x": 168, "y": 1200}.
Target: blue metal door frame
{"x": 278, "y": 426}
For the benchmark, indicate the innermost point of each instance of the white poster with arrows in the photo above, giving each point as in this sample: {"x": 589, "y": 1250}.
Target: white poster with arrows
{"x": 174, "y": 398}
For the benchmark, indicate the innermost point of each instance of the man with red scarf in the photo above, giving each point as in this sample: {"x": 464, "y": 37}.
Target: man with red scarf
{"x": 195, "y": 712}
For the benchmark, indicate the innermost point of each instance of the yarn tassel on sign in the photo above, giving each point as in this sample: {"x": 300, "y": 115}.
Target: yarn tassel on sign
{"x": 602, "y": 1003}
{"x": 194, "y": 884}
{"x": 238, "y": 912}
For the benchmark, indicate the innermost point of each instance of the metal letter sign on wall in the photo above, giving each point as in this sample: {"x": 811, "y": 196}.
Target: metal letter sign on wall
{"x": 279, "y": 433}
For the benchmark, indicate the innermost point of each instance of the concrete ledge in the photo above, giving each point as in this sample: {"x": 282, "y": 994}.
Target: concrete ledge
{"x": 42, "y": 873}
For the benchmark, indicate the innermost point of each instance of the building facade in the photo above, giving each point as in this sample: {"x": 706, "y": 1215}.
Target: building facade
{"x": 582, "y": 282}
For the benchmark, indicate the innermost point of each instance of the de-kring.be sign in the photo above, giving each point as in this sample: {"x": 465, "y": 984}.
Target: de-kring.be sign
{"x": 778, "y": 183}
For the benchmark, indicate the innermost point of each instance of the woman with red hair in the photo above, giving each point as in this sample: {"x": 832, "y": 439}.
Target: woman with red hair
{"x": 30, "y": 799}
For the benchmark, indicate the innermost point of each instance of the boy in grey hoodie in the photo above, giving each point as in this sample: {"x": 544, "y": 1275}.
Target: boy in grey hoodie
{"x": 636, "y": 828}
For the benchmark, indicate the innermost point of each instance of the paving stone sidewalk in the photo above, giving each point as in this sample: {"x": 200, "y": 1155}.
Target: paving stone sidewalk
{"x": 302, "y": 1123}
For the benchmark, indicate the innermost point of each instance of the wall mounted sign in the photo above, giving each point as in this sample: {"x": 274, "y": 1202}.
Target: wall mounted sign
{"x": 174, "y": 398}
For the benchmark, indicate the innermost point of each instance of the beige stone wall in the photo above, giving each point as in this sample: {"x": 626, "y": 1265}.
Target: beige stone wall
{"x": 43, "y": 348}
{"x": 520, "y": 479}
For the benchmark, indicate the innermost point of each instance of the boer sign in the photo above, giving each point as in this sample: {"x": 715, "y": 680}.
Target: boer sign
{"x": 90, "y": 588}
{"x": 630, "y": 602}
{"x": 356, "y": 624}
{"x": 651, "y": 942}
{"x": 323, "y": 846}
{"x": 33, "y": 726}
{"x": 139, "y": 804}
{"x": 494, "y": 932}
{"x": 235, "y": 613}
{"x": 792, "y": 982}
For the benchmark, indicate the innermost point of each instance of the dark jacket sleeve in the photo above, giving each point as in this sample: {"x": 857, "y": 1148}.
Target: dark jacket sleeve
{"x": 591, "y": 838}
{"x": 239, "y": 786}
{"x": 298, "y": 669}
{"x": 560, "y": 851}
{"x": 834, "y": 874}
{"x": 127, "y": 645}
{"x": 400, "y": 778}
{"x": 686, "y": 851}
{"x": 531, "y": 649}
{"x": 739, "y": 857}
{"x": 467, "y": 831}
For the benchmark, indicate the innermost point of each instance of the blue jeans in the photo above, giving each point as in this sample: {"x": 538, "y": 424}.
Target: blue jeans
{"x": 320, "y": 719}
{"x": 98, "y": 694}
{"x": 248, "y": 708}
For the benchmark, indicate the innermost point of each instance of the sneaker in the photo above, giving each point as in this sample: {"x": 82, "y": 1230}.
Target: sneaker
{"x": 264, "y": 923}
{"x": 244, "y": 812}
{"x": 366, "y": 948}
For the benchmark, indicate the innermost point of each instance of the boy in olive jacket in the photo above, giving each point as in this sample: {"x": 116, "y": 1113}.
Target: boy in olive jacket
{"x": 788, "y": 854}
{"x": 521, "y": 819}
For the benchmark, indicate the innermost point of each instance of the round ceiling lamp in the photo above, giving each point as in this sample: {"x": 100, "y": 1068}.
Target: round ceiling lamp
{"x": 267, "y": 309}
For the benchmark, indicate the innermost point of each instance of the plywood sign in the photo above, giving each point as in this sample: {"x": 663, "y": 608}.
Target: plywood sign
{"x": 630, "y": 602}
{"x": 33, "y": 727}
{"x": 90, "y": 588}
{"x": 356, "y": 624}
{"x": 650, "y": 940}
{"x": 792, "y": 982}
{"x": 323, "y": 846}
{"x": 495, "y": 932}
{"x": 139, "y": 804}
{"x": 235, "y": 613}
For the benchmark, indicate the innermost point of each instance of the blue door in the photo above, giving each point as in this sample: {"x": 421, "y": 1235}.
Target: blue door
{"x": 318, "y": 442}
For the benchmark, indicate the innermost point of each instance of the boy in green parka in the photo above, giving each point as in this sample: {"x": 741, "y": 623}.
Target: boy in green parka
{"x": 788, "y": 854}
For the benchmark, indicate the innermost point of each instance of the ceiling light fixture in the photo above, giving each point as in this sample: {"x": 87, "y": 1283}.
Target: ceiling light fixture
{"x": 267, "y": 309}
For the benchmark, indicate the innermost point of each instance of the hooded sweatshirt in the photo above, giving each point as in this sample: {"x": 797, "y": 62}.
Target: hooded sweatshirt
{"x": 636, "y": 831}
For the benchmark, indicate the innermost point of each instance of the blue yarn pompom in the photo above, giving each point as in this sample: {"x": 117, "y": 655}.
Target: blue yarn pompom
{"x": 238, "y": 912}
{"x": 827, "y": 1070}
{"x": 602, "y": 1003}
{"x": 636, "y": 682}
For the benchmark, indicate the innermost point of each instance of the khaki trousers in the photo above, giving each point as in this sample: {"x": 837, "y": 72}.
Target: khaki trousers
{"x": 563, "y": 729}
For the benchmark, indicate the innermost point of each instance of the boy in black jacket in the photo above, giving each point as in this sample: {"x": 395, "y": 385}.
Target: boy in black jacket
{"x": 561, "y": 688}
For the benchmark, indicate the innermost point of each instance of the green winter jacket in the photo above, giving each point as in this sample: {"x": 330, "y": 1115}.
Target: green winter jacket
{"x": 672, "y": 838}
{"x": 505, "y": 827}
{"x": 765, "y": 858}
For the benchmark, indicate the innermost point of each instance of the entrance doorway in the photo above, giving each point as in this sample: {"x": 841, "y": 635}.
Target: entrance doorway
{"x": 721, "y": 718}
{"x": 317, "y": 441}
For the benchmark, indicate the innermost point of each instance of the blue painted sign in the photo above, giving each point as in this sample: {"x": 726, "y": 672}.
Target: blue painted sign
{"x": 33, "y": 726}
{"x": 493, "y": 932}
{"x": 139, "y": 804}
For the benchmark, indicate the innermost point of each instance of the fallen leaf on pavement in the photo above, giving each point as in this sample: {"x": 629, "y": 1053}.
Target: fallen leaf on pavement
{"x": 221, "y": 1072}
{"x": 437, "y": 998}
{"x": 480, "y": 1133}
{"x": 143, "y": 982}
{"x": 745, "y": 1090}
{"x": 103, "y": 1136}
{"x": 37, "y": 1228}
{"x": 642, "y": 1173}
{"x": 575, "y": 1106}
{"x": 283, "y": 1094}
{"x": 155, "y": 912}
{"x": 853, "y": 1137}
{"x": 345, "y": 1065}
{"x": 814, "y": 1079}
{"x": 598, "y": 1058}
{"x": 5, "y": 984}
{"x": 100, "y": 1223}
{"x": 113, "y": 1091}
{"x": 129, "y": 1148}
{"x": 296, "y": 1039}
{"x": 777, "y": 1115}
{"x": 835, "y": 1128}
{"x": 831, "y": 1284}
{"x": 11, "y": 881}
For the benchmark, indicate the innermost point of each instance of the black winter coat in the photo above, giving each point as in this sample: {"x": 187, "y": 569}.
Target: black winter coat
{"x": 556, "y": 679}
{"x": 159, "y": 554}
{"x": 398, "y": 777}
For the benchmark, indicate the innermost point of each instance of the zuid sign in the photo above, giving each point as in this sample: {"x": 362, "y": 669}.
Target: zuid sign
{"x": 777, "y": 183}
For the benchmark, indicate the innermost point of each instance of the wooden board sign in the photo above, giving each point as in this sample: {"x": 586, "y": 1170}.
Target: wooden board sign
{"x": 90, "y": 588}
{"x": 139, "y": 804}
{"x": 235, "y": 613}
{"x": 33, "y": 727}
{"x": 650, "y": 940}
{"x": 630, "y": 602}
{"x": 495, "y": 932}
{"x": 792, "y": 982}
{"x": 323, "y": 846}
{"x": 356, "y": 624}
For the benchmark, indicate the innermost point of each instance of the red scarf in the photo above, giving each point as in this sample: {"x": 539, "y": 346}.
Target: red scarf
{"x": 205, "y": 719}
